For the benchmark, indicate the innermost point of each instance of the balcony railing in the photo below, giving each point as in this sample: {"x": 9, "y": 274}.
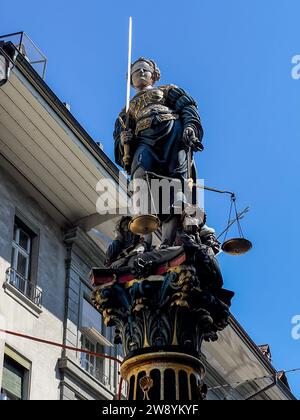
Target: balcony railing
{"x": 95, "y": 372}
{"x": 101, "y": 377}
{"x": 27, "y": 48}
{"x": 24, "y": 286}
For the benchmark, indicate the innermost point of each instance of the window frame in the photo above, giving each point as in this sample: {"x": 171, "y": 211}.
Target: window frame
{"x": 86, "y": 358}
{"x": 85, "y": 299}
{"x": 25, "y": 366}
{"x": 95, "y": 366}
{"x": 34, "y": 234}
{"x": 17, "y": 250}
{"x": 99, "y": 365}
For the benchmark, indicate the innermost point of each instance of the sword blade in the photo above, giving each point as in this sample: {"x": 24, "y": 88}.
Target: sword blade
{"x": 129, "y": 65}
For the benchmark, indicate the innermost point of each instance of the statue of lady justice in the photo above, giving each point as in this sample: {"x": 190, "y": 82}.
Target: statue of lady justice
{"x": 157, "y": 134}
{"x": 155, "y": 296}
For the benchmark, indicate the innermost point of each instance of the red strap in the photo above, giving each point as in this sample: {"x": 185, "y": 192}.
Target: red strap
{"x": 98, "y": 281}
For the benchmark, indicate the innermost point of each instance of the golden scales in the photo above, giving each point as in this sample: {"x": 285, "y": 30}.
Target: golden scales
{"x": 147, "y": 224}
{"x": 144, "y": 224}
{"x": 235, "y": 246}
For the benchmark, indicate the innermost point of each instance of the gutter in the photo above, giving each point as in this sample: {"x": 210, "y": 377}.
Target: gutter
{"x": 265, "y": 389}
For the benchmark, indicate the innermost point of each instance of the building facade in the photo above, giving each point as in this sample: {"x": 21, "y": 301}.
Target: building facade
{"x": 46, "y": 293}
{"x": 50, "y": 238}
{"x": 49, "y": 169}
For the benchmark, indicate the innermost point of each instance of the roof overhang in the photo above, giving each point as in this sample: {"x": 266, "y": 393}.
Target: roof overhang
{"x": 50, "y": 153}
{"x": 238, "y": 362}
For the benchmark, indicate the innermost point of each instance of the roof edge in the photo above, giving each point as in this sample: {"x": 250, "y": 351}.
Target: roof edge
{"x": 60, "y": 109}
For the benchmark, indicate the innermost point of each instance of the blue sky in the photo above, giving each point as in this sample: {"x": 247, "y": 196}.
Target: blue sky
{"x": 234, "y": 57}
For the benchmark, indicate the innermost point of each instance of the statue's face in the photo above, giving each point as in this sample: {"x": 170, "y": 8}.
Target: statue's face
{"x": 142, "y": 78}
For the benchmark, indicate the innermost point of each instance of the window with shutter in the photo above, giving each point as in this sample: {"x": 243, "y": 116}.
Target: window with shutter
{"x": 14, "y": 380}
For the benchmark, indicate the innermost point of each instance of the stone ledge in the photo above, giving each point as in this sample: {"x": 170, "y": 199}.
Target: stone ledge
{"x": 93, "y": 386}
{"x": 22, "y": 300}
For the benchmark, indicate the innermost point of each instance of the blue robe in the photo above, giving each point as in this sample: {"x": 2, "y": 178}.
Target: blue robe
{"x": 159, "y": 148}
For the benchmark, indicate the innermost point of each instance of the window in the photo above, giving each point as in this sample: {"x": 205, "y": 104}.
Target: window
{"x": 88, "y": 362}
{"x": 21, "y": 251}
{"x": 22, "y": 274}
{"x": 92, "y": 364}
{"x": 15, "y": 379}
{"x": 91, "y": 318}
{"x": 93, "y": 341}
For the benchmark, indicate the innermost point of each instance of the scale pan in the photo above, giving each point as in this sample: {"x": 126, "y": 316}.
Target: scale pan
{"x": 143, "y": 225}
{"x": 237, "y": 246}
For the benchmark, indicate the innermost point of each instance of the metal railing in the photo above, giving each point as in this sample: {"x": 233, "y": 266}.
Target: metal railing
{"x": 24, "y": 286}
{"x": 27, "y": 48}
{"x": 101, "y": 377}
{"x": 95, "y": 372}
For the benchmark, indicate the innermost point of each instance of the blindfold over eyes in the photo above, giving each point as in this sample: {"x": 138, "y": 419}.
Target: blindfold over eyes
{"x": 141, "y": 65}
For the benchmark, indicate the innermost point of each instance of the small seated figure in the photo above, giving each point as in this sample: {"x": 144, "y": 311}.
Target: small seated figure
{"x": 125, "y": 242}
{"x": 202, "y": 247}
{"x": 134, "y": 255}
{"x": 208, "y": 238}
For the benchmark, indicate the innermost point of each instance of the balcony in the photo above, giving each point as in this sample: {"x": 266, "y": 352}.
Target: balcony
{"x": 75, "y": 372}
{"x": 24, "y": 286}
{"x": 95, "y": 372}
{"x": 27, "y": 48}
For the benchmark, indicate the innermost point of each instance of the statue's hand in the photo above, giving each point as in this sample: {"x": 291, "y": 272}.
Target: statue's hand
{"x": 191, "y": 140}
{"x": 126, "y": 137}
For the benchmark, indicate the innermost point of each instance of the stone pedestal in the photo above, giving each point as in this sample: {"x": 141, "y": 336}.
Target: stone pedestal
{"x": 161, "y": 321}
{"x": 164, "y": 376}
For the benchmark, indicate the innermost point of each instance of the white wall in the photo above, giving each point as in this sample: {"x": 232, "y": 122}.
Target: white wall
{"x": 50, "y": 277}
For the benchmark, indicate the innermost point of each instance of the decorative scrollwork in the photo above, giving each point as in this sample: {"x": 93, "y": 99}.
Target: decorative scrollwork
{"x": 146, "y": 383}
{"x": 153, "y": 313}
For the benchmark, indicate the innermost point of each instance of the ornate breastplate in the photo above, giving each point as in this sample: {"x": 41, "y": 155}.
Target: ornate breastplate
{"x": 150, "y": 104}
